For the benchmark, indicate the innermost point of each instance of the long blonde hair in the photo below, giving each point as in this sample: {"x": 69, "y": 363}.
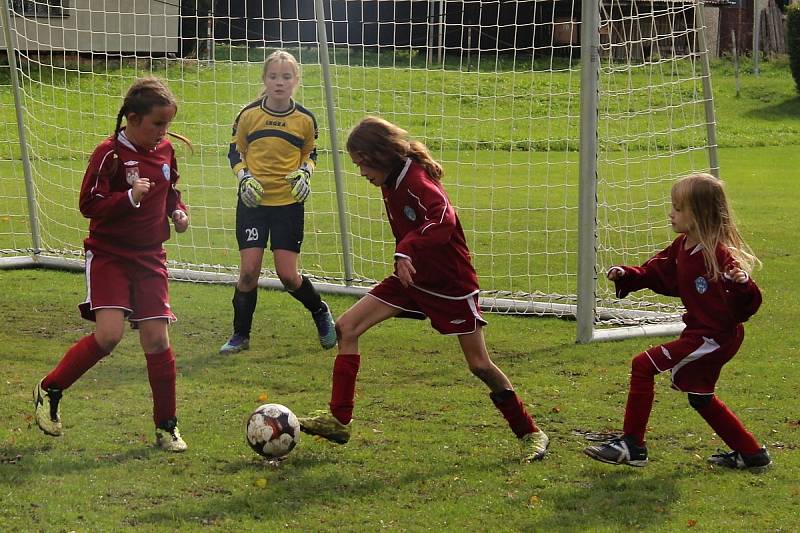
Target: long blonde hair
{"x": 383, "y": 145}
{"x": 711, "y": 219}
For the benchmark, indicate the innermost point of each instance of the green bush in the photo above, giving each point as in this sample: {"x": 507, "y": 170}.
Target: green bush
{"x": 793, "y": 38}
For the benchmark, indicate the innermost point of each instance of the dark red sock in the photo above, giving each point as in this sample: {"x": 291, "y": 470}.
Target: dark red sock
{"x": 640, "y": 398}
{"x": 82, "y": 356}
{"x": 513, "y": 410}
{"x": 161, "y": 373}
{"x": 729, "y": 427}
{"x": 343, "y": 392}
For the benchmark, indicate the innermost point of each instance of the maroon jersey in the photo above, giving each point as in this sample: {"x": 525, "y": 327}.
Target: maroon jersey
{"x": 106, "y": 199}
{"x": 712, "y": 306}
{"x": 427, "y": 230}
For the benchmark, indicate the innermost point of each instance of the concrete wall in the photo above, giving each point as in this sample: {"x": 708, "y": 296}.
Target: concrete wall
{"x": 105, "y": 26}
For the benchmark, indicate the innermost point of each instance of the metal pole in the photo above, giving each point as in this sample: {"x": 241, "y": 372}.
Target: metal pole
{"x": 735, "y": 63}
{"x": 587, "y": 192}
{"x": 442, "y": 22}
{"x": 708, "y": 95}
{"x": 756, "y": 35}
{"x": 322, "y": 39}
{"x": 430, "y": 37}
{"x": 30, "y": 191}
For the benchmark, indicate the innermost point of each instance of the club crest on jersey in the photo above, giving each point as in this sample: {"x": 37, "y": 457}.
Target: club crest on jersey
{"x": 409, "y": 213}
{"x": 131, "y": 171}
{"x": 165, "y": 171}
{"x": 700, "y": 284}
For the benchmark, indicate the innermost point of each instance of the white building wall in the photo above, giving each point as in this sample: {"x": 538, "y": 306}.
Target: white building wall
{"x": 106, "y": 26}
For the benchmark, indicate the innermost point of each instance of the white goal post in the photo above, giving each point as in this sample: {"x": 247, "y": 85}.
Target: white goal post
{"x": 561, "y": 127}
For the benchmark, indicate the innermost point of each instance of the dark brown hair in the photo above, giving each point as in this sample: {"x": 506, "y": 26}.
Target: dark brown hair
{"x": 143, "y": 95}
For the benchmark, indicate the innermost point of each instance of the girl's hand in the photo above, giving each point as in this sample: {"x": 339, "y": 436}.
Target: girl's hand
{"x": 404, "y": 270}
{"x": 615, "y": 273}
{"x": 737, "y": 275}
{"x": 180, "y": 220}
{"x": 140, "y": 187}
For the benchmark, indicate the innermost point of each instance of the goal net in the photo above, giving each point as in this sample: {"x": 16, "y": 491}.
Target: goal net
{"x": 495, "y": 89}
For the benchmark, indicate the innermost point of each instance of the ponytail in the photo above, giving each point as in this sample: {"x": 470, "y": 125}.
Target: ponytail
{"x": 143, "y": 95}
{"x": 421, "y": 155}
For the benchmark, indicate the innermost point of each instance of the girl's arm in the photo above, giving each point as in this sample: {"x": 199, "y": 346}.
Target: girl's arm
{"x": 741, "y": 292}
{"x": 236, "y": 148}
{"x": 97, "y": 200}
{"x": 659, "y": 274}
{"x": 174, "y": 201}
{"x": 438, "y": 223}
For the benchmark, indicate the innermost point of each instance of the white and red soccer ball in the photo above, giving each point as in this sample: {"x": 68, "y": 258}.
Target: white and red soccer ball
{"x": 273, "y": 430}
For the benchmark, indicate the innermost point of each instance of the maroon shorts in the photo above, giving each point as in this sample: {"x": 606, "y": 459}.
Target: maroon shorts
{"x": 449, "y": 315}
{"x": 696, "y": 360}
{"x": 137, "y": 284}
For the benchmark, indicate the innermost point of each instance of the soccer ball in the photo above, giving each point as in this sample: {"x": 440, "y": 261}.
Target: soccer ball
{"x": 273, "y": 430}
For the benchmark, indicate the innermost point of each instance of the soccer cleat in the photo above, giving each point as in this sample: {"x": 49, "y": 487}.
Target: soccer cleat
{"x": 168, "y": 438}
{"x": 325, "y": 425}
{"x": 325, "y": 326}
{"x": 47, "y": 409}
{"x": 619, "y": 451}
{"x": 758, "y": 462}
{"x": 237, "y": 343}
{"x": 534, "y": 446}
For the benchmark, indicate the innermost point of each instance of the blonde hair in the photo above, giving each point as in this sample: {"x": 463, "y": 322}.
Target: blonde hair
{"x": 143, "y": 95}
{"x": 383, "y": 145}
{"x": 280, "y": 56}
{"x": 711, "y": 219}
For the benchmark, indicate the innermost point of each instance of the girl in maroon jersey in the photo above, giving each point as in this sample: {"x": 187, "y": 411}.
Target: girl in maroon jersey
{"x": 707, "y": 267}
{"x": 433, "y": 278}
{"x": 129, "y": 196}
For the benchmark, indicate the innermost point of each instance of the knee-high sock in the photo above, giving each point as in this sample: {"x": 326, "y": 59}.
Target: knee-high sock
{"x": 513, "y": 410}
{"x": 640, "y": 397}
{"x": 343, "y": 391}
{"x": 82, "y": 356}
{"x": 161, "y": 373}
{"x": 729, "y": 427}
{"x": 244, "y": 305}
{"x": 307, "y": 295}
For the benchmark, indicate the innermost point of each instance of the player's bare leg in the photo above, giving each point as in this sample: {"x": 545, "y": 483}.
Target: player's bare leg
{"x": 534, "y": 441}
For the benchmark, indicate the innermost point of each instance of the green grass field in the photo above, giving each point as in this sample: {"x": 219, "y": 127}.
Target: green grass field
{"x": 429, "y": 451}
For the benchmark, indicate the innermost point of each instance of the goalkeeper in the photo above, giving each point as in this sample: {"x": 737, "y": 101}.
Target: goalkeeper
{"x": 273, "y": 155}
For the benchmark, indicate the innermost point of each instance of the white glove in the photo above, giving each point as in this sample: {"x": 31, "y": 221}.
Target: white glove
{"x": 300, "y": 181}
{"x": 250, "y": 190}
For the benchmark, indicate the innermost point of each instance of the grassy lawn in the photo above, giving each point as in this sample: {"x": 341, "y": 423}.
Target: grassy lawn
{"x": 429, "y": 451}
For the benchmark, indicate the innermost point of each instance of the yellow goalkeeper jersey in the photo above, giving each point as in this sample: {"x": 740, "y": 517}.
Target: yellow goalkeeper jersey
{"x": 271, "y": 145}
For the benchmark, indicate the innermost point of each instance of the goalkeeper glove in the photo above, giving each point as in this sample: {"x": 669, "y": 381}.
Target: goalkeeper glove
{"x": 250, "y": 190}
{"x": 300, "y": 182}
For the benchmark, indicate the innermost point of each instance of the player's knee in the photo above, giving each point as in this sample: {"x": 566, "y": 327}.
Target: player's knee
{"x": 107, "y": 340}
{"x": 346, "y": 329}
{"x": 291, "y": 282}
{"x": 247, "y": 280}
{"x": 699, "y": 401}
{"x": 155, "y": 345}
